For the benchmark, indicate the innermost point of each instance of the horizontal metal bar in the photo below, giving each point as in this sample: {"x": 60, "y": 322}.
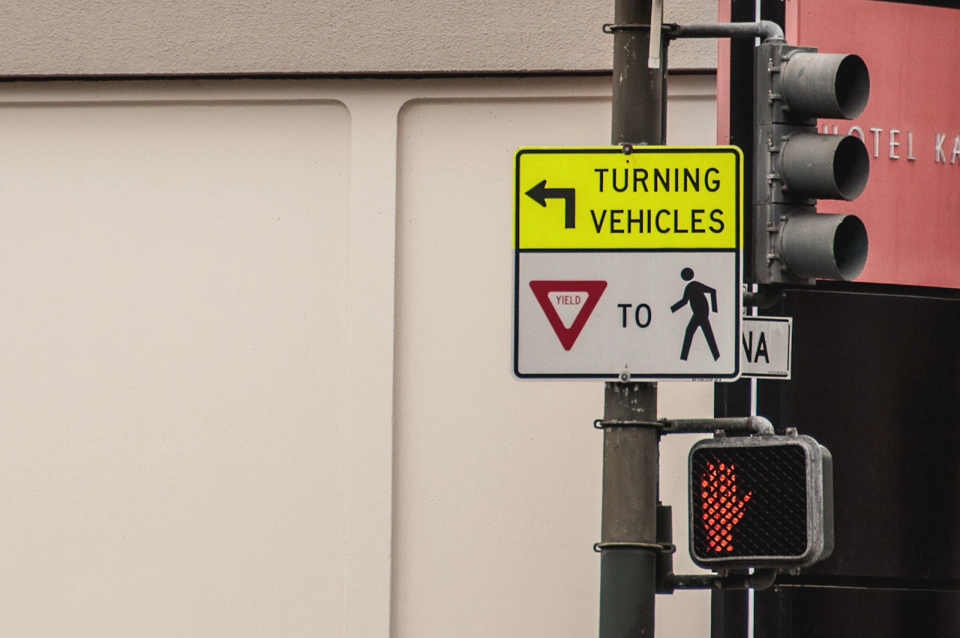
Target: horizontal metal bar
{"x": 609, "y": 423}
{"x": 663, "y": 548}
{"x": 760, "y": 579}
{"x": 769, "y": 31}
{"x": 751, "y": 424}
{"x": 693, "y": 581}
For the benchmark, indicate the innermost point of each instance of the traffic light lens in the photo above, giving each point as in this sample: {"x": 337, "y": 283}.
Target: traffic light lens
{"x": 751, "y": 501}
{"x": 851, "y": 167}
{"x": 852, "y": 86}
{"x": 850, "y": 246}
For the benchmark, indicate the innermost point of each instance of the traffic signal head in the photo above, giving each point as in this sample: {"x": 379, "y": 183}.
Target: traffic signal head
{"x": 760, "y": 501}
{"x": 795, "y": 165}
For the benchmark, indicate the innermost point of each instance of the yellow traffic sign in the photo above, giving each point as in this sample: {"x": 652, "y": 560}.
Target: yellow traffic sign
{"x": 601, "y": 198}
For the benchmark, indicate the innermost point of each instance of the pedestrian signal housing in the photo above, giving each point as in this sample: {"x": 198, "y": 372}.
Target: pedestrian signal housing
{"x": 760, "y": 501}
{"x": 795, "y": 165}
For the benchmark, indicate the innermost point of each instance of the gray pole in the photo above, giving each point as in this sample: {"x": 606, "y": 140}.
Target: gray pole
{"x": 628, "y": 532}
{"x": 639, "y": 93}
{"x": 631, "y": 455}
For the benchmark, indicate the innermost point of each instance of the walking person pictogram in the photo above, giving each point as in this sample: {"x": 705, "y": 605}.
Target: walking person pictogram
{"x": 695, "y": 294}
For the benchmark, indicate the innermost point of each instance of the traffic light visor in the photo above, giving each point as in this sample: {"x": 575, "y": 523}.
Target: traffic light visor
{"x": 825, "y": 166}
{"x": 824, "y": 246}
{"x": 833, "y": 85}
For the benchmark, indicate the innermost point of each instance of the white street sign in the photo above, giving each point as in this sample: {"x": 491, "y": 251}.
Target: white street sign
{"x": 767, "y": 344}
{"x": 587, "y": 314}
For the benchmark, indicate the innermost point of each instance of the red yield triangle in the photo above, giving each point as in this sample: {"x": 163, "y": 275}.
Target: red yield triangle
{"x": 542, "y": 290}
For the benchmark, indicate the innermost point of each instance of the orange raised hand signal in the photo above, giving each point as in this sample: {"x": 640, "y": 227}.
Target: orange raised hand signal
{"x": 722, "y": 505}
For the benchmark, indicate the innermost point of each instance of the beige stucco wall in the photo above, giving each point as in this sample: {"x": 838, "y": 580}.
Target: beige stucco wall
{"x": 255, "y": 372}
{"x": 187, "y": 37}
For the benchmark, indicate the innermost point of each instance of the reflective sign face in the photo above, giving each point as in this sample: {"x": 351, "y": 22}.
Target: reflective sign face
{"x": 654, "y": 198}
{"x": 760, "y": 501}
{"x": 766, "y": 347}
{"x": 596, "y": 313}
{"x": 628, "y": 263}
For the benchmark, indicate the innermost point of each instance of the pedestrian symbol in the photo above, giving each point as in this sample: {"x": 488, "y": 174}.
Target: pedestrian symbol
{"x": 695, "y": 294}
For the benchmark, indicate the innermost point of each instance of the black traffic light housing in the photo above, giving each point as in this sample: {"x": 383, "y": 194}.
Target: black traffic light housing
{"x": 796, "y": 165}
{"x": 760, "y": 501}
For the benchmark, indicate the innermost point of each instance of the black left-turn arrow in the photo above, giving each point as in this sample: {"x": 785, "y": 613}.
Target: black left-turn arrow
{"x": 540, "y": 194}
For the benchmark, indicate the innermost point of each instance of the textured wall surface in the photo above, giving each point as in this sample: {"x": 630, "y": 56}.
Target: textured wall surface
{"x": 255, "y": 371}
{"x": 186, "y": 37}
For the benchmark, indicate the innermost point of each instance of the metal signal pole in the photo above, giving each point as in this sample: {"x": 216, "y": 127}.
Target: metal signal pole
{"x": 631, "y": 440}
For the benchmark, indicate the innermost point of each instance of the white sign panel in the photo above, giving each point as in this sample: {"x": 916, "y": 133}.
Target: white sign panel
{"x": 587, "y": 314}
{"x": 767, "y": 347}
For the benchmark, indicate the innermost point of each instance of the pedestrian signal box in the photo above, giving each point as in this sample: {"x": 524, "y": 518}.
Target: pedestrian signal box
{"x": 760, "y": 501}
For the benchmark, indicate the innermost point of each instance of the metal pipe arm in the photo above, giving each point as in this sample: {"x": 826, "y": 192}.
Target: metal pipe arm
{"x": 769, "y": 31}
{"x": 749, "y": 424}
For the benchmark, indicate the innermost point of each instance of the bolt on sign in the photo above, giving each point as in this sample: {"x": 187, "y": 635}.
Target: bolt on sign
{"x": 628, "y": 263}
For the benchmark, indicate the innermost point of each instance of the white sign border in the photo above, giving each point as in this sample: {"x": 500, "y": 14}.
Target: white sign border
{"x": 615, "y": 376}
